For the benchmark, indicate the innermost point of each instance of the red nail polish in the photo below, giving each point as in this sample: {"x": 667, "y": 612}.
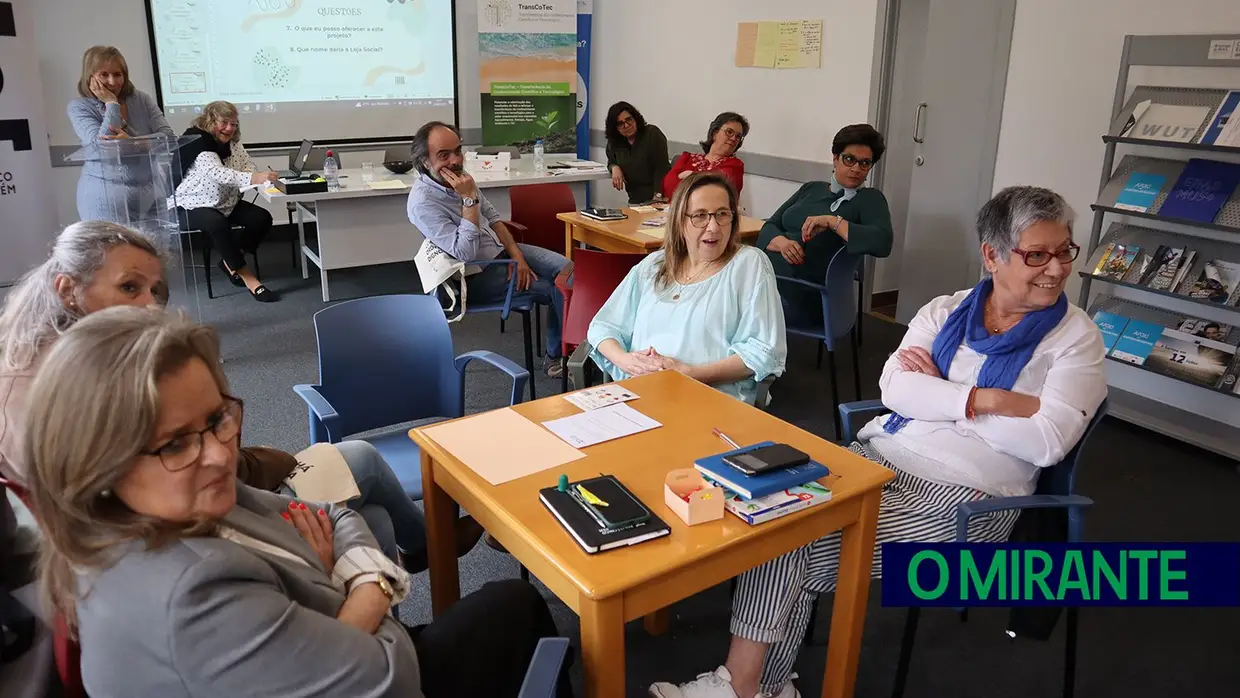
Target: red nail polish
{"x": 303, "y": 506}
{"x": 292, "y": 505}
{"x": 286, "y": 516}
{"x": 322, "y": 513}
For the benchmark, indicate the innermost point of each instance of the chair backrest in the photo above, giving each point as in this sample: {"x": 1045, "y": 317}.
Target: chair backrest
{"x": 387, "y": 360}
{"x": 839, "y": 303}
{"x": 1060, "y": 478}
{"x": 595, "y": 276}
{"x": 535, "y": 206}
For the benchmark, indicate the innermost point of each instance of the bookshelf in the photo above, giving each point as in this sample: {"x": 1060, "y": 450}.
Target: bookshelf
{"x": 1174, "y": 405}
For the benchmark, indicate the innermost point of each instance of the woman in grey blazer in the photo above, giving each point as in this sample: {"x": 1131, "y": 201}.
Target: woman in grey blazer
{"x": 182, "y": 582}
{"x": 111, "y": 108}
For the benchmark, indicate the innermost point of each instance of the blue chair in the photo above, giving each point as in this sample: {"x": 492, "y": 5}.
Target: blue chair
{"x": 545, "y": 667}
{"x": 838, "y": 317}
{"x": 385, "y": 361}
{"x": 1054, "y": 491}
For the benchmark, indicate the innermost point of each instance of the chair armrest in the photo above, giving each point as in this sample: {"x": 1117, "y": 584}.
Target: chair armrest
{"x": 322, "y": 412}
{"x": 967, "y": 510}
{"x": 519, "y": 375}
{"x": 861, "y": 411}
{"x": 512, "y": 281}
{"x": 577, "y": 363}
{"x": 543, "y": 674}
{"x": 764, "y": 390}
{"x": 794, "y": 280}
{"x": 515, "y": 227}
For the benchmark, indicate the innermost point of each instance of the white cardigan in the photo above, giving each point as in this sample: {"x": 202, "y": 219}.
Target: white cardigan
{"x": 210, "y": 183}
{"x": 997, "y": 455}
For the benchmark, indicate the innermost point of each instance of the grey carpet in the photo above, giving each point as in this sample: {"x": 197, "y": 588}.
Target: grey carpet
{"x": 1146, "y": 488}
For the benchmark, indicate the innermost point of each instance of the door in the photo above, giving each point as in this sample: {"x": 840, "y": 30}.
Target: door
{"x": 951, "y": 135}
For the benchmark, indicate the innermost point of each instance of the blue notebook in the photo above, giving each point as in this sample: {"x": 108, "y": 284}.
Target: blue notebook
{"x": 754, "y": 486}
{"x": 1202, "y": 189}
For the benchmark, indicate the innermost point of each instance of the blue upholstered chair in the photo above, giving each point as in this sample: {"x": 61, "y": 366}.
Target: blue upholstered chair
{"x": 387, "y": 361}
{"x": 544, "y": 672}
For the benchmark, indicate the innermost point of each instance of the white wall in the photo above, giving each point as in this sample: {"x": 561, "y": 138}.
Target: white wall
{"x": 1061, "y": 83}
{"x": 674, "y": 60}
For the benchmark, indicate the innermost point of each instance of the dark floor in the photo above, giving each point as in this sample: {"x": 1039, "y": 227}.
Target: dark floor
{"x": 1147, "y": 488}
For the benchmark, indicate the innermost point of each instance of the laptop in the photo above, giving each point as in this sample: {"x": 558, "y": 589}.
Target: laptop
{"x": 299, "y": 162}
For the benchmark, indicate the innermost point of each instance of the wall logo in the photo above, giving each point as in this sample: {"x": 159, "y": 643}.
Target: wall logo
{"x": 15, "y": 130}
{"x": 497, "y": 12}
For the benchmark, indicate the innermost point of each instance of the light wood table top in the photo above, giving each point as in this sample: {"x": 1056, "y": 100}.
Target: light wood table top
{"x": 610, "y": 588}
{"x": 629, "y": 235}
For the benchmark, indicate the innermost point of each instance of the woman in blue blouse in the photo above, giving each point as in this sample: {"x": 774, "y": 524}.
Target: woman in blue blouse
{"x": 704, "y": 305}
{"x": 111, "y": 108}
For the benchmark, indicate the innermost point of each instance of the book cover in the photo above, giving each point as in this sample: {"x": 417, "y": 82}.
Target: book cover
{"x": 1136, "y": 342}
{"x": 1206, "y": 329}
{"x": 586, "y": 531}
{"x": 1140, "y": 191}
{"x": 1191, "y": 359}
{"x": 1169, "y": 122}
{"x": 1221, "y": 119}
{"x": 754, "y": 486}
{"x": 776, "y": 504}
{"x": 1102, "y": 261}
{"x": 1201, "y": 190}
{"x": 1120, "y": 261}
{"x": 1111, "y": 325}
{"x": 1186, "y": 265}
{"x": 1216, "y": 282}
{"x": 1164, "y": 268}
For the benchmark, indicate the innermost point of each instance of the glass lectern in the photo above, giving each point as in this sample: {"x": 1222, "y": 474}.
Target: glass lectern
{"x": 134, "y": 177}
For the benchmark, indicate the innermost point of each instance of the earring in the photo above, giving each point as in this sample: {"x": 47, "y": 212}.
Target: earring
{"x": 105, "y": 494}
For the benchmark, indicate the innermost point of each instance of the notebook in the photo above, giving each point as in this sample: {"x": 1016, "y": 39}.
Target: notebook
{"x": 587, "y": 531}
{"x": 754, "y": 486}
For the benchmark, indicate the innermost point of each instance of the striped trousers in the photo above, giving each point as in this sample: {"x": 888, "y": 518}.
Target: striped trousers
{"x": 773, "y": 602}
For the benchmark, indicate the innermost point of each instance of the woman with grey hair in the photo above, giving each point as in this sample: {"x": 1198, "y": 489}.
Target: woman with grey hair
{"x": 989, "y": 385}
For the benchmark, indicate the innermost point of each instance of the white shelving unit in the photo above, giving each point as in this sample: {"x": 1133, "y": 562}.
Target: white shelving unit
{"x": 1202, "y": 416}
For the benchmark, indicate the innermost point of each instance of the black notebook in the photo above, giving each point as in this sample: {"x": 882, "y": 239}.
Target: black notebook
{"x": 604, "y": 214}
{"x": 587, "y": 530}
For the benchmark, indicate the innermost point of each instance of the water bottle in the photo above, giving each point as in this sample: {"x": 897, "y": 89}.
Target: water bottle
{"x": 331, "y": 172}
{"x": 538, "y": 156}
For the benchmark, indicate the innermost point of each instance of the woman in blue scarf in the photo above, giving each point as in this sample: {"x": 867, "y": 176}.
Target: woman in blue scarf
{"x": 805, "y": 232}
{"x": 989, "y": 385}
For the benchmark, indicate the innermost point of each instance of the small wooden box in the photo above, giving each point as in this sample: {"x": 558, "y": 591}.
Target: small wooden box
{"x": 704, "y": 503}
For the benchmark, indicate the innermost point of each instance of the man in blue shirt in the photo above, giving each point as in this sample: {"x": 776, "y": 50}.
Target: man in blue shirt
{"x": 447, "y": 207}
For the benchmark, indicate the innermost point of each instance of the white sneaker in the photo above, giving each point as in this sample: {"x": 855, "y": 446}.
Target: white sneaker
{"x": 716, "y": 684}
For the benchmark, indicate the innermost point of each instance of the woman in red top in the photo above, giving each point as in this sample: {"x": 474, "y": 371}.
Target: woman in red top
{"x": 724, "y": 138}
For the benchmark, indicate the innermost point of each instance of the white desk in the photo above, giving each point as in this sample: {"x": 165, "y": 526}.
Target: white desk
{"x": 359, "y": 226}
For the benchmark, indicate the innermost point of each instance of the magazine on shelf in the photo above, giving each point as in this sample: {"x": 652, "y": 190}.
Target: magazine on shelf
{"x": 1222, "y": 120}
{"x": 1169, "y": 122}
{"x": 1191, "y": 359}
{"x": 1216, "y": 282}
{"x": 1206, "y": 329}
{"x": 1111, "y": 325}
{"x": 1137, "y": 342}
{"x": 1165, "y": 266}
{"x": 1202, "y": 189}
{"x": 1140, "y": 191}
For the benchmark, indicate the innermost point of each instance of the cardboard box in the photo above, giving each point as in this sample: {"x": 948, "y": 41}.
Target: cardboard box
{"x": 693, "y": 499}
{"x": 487, "y": 163}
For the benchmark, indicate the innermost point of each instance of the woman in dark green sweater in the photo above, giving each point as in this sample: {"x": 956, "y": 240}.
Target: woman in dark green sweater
{"x": 636, "y": 153}
{"x": 821, "y": 217}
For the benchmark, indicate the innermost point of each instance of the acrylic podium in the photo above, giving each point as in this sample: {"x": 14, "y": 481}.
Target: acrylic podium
{"x": 134, "y": 176}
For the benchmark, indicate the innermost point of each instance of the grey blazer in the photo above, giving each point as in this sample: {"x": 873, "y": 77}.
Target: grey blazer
{"x": 209, "y": 617}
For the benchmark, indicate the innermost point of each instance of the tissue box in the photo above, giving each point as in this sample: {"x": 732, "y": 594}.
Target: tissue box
{"x": 487, "y": 163}
{"x": 704, "y": 500}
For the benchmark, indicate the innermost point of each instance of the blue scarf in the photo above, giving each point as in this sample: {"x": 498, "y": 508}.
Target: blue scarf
{"x": 836, "y": 188}
{"x": 1006, "y": 354}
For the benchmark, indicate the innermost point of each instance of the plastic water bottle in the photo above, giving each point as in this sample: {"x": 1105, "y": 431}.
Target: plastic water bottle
{"x": 331, "y": 172}
{"x": 539, "y": 165}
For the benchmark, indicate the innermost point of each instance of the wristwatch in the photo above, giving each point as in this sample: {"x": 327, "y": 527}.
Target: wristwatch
{"x": 384, "y": 585}
{"x": 468, "y": 202}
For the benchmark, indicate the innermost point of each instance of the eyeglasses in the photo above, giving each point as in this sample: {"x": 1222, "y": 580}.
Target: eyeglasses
{"x": 850, "y": 161}
{"x": 627, "y": 121}
{"x": 701, "y": 220}
{"x": 183, "y": 451}
{"x": 1040, "y": 258}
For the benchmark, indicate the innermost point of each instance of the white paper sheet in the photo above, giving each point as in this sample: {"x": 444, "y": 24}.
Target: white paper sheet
{"x": 323, "y": 475}
{"x": 602, "y": 396}
{"x": 604, "y": 424}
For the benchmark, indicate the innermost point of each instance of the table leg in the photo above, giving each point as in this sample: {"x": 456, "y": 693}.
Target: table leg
{"x": 323, "y": 281}
{"x": 301, "y": 239}
{"x": 656, "y": 623}
{"x": 568, "y": 240}
{"x": 440, "y": 540}
{"x": 852, "y": 594}
{"x": 602, "y": 647}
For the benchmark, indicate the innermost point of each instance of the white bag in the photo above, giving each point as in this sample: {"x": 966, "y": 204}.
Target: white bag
{"x": 438, "y": 268}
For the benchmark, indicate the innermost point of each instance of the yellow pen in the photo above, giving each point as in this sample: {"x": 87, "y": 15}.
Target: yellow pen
{"x": 590, "y": 497}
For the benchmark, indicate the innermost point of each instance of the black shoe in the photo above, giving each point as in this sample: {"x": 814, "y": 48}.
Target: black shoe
{"x": 234, "y": 278}
{"x": 262, "y": 294}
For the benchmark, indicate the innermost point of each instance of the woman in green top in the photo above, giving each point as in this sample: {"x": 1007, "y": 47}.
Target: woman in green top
{"x": 636, "y": 153}
{"x": 821, "y": 217}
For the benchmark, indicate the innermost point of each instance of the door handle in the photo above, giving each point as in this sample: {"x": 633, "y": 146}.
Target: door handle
{"x": 918, "y": 136}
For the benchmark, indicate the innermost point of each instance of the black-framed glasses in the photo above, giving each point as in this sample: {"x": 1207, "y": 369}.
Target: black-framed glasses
{"x": 627, "y": 121}
{"x": 850, "y": 161}
{"x": 182, "y": 451}
{"x": 1040, "y": 258}
{"x": 702, "y": 219}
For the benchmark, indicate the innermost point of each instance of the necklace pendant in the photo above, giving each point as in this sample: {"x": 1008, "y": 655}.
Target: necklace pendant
{"x": 676, "y": 297}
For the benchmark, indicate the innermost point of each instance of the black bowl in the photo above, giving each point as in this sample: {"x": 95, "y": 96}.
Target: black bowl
{"x": 399, "y": 166}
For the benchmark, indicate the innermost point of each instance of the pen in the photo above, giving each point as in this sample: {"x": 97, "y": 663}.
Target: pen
{"x": 726, "y": 438}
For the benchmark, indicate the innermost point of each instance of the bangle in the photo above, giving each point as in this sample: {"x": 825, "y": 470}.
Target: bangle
{"x": 969, "y": 412}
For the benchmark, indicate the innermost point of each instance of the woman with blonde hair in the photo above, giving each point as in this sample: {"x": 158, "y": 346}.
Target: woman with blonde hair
{"x": 180, "y": 581}
{"x": 110, "y": 108}
{"x": 704, "y": 305}
{"x": 214, "y": 169}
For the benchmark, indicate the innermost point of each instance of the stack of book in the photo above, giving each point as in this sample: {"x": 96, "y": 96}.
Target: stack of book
{"x": 1171, "y": 269}
{"x": 768, "y": 495}
{"x": 1197, "y": 351}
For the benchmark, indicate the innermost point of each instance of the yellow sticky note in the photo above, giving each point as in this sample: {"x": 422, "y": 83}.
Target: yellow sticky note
{"x": 767, "y": 44}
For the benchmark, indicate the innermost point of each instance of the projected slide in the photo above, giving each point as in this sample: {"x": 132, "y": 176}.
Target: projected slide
{"x": 335, "y": 63}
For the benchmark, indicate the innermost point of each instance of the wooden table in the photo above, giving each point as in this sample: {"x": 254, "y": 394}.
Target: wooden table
{"x": 608, "y": 589}
{"x": 627, "y": 235}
